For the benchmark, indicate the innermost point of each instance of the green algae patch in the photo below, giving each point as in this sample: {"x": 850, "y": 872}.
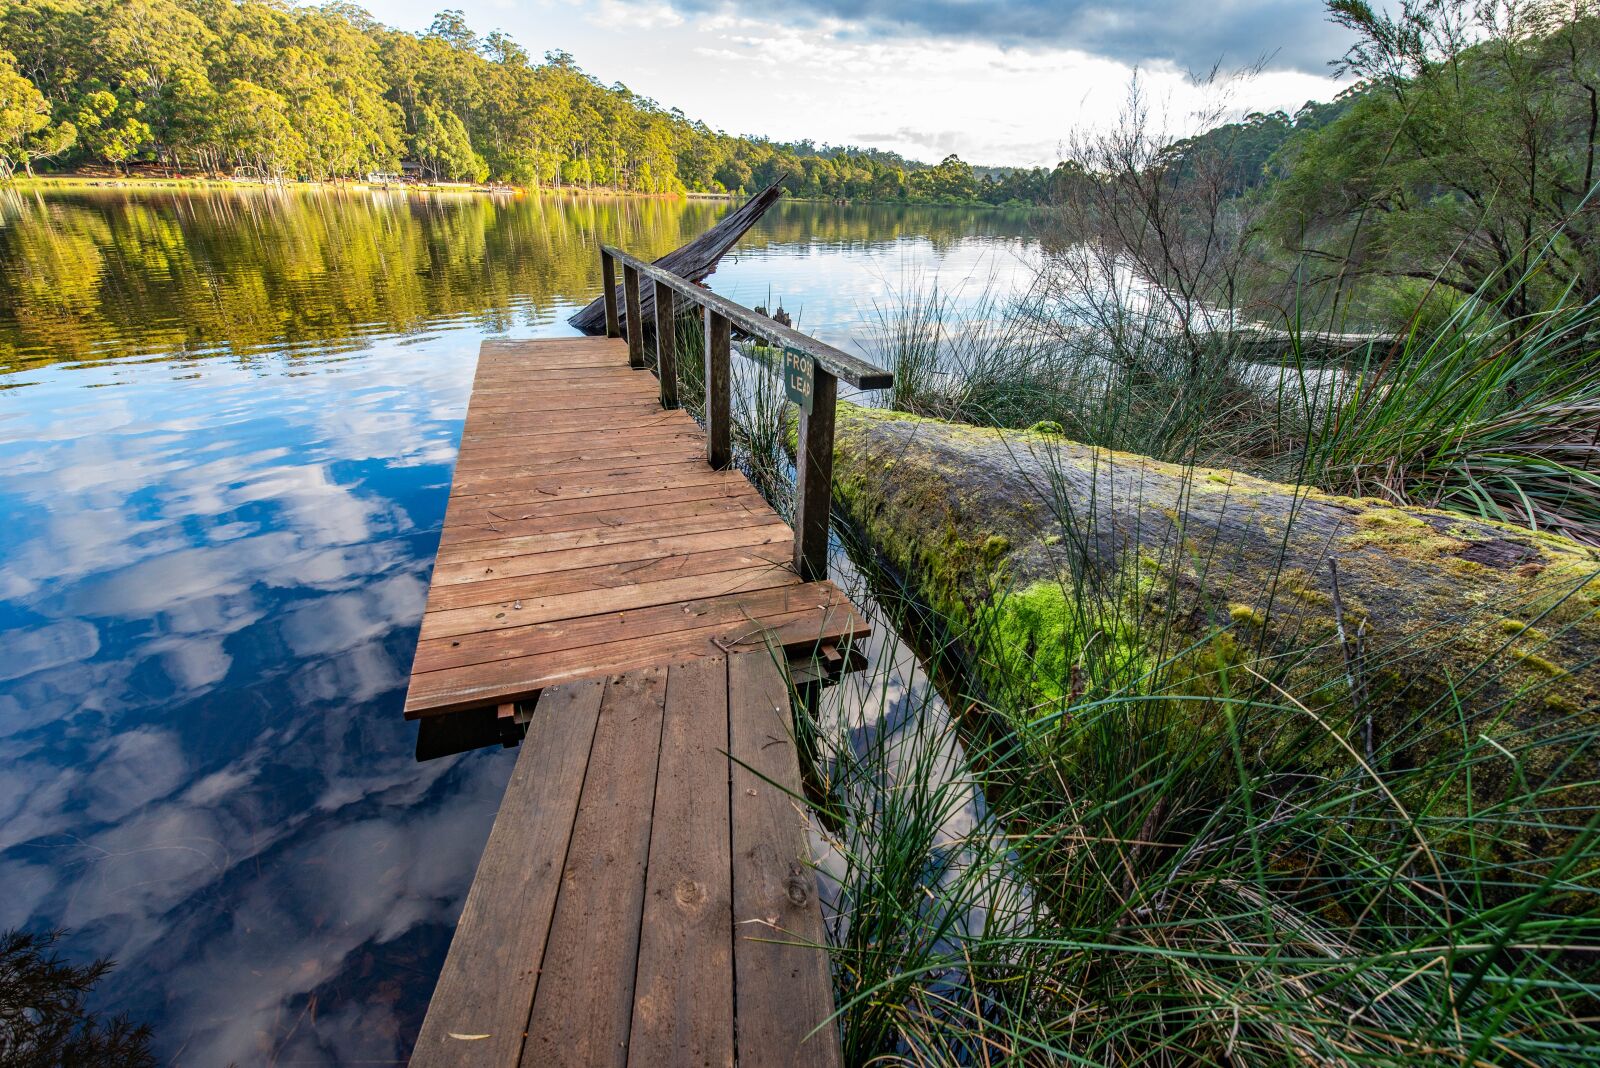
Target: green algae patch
{"x": 1534, "y": 662}
{"x": 1401, "y": 532}
{"x": 1518, "y": 627}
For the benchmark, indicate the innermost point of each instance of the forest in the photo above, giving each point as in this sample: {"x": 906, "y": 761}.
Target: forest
{"x": 277, "y": 90}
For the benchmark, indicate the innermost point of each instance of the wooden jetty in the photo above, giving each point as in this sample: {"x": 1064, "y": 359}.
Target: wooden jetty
{"x": 608, "y": 584}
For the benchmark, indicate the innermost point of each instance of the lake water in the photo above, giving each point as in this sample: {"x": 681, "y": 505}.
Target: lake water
{"x": 227, "y": 428}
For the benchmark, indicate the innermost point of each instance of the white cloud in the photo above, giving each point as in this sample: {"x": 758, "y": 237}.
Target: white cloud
{"x": 790, "y": 73}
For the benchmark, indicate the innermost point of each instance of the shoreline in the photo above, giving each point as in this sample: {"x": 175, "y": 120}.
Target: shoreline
{"x": 150, "y": 181}
{"x": 76, "y": 182}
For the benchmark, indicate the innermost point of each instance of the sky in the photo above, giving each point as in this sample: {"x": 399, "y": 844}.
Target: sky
{"x": 999, "y": 82}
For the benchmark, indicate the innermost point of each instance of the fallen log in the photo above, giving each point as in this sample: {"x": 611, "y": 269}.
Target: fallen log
{"x": 1040, "y": 553}
{"x": 695, "y": 261}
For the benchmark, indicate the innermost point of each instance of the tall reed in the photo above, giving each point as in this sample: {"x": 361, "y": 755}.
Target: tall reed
{"x": 1143, "y": 871}
{"x": 1478, "y": 412}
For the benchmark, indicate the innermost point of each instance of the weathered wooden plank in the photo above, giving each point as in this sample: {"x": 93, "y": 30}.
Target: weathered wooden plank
{"x": 542, "y": 608}
{"x": 608, "y": 576}
{"x": 604, "y": 513}
{"x": 511, "y": 346}
{"x": 514, "y": 402}
{"x": 639, "y": 550}
{"x": 683, "y": 994}
{"x": 538, "y": 446}
{"x": 506, "y": 516}
{"x": 510, "y": 373}
{"x": 798, "y": 633}
{"x": 492, "y": 969}
{"x": 730, "y": 615}
{"x": 543, "y": 543}
{"x": 505, "y": 390}
{"x": 561, "y": 482}
{"x": 486, "y": 470}
{"x": 530, "y": 434}
{"x": 621, "y": 417}
{"x": 782, "y": 988}
{"x": 514, "y": 543}
{"x": 555, "y": 359}
{"x": 502, "y": 387}
{"x": 666, "y": 443}
{"x": 583, "y": 1006}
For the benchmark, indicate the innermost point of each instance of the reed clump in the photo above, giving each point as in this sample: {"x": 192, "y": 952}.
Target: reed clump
{"x": 1492, "y": 414}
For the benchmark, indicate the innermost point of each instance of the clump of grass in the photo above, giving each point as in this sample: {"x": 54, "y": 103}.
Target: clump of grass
{"x": 1139, "y": 872}
{"x": 1486, "y": 415}
{"x": 759, "y": 444}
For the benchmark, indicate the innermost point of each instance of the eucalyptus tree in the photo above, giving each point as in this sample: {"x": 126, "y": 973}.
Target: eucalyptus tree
{"x": 26, "y": 132}
{"x": 1471, "y": 147}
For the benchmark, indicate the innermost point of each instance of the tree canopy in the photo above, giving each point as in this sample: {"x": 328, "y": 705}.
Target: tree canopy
{"x": 1468, "y": 155}
{"x": 290, "y": 91}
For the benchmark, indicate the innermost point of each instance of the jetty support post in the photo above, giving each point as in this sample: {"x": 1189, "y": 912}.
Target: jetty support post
{"x": 635, "y": 324}
{"x": 666, "y": 345}
{"x": 813, "y": 496}
{"x": 719, "y": 392}
{"x": 608, "y": 280}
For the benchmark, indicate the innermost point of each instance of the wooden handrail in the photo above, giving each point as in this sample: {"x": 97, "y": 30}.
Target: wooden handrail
{"x": 840, "y": 364}
{"x": 814, "y": 456}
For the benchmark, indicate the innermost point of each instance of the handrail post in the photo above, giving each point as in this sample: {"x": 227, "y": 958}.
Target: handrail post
{"x": 635, "y": 324}
{"x": 719, "y": 393}
{"x": 608, "y": 279}
{"x": 814, "y": 479}
{"x": 666, "y": 346}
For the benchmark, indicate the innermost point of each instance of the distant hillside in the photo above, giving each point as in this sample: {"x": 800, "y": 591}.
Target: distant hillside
{"x": 269, "y": 89}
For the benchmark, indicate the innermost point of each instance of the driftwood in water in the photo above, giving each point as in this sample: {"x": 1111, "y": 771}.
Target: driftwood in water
{"x": 1257, "y": 342}
{"x": 694, "y": 261}
{"x": 1038, "y": 547}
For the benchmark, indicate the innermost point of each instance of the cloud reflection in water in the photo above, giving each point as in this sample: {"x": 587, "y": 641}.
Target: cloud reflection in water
{"x": 211, "y": 589}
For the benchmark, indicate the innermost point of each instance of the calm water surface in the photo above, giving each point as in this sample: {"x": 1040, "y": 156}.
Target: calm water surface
{"x": 227, "y": 427}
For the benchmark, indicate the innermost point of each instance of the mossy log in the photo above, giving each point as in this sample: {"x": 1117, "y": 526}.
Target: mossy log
{"x": 1042, "y": 548}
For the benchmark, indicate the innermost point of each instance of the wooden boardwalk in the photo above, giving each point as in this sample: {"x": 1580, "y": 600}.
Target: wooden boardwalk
{"x": 646, "y": 895}
{"x": 587, "y": 534}
{"x": 643, "y": 900}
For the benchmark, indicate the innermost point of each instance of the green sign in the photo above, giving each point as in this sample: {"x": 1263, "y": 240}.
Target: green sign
{"x": 799, "y": 377}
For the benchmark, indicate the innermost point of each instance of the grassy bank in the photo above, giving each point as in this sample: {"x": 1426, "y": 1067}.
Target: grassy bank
{"x": 1161, "y": 839}
{"x": 1481, "y": 411}
{"x": 1188, "y": 851}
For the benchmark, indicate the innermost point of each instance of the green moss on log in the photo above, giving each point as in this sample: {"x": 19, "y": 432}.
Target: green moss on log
{"x": 1037, "y": 549}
